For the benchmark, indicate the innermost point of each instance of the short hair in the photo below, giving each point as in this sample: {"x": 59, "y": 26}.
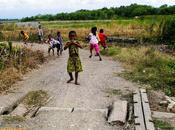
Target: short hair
{"x": 22, "y": 32}
{"x": 58, "y": 32}
{"x": 49, "y": 35}
{"x": 94, "y": 30}
{"x": 72, "y": 32}
{"x": 101, "y": 30}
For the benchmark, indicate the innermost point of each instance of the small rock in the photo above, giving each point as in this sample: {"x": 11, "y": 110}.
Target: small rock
{"x": 163, "y": 103}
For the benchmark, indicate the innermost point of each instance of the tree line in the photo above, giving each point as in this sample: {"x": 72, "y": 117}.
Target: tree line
{"x": 107, "y": 13}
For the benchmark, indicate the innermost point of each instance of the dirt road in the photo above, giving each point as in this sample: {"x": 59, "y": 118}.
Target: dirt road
{"x": 89, "y": 100}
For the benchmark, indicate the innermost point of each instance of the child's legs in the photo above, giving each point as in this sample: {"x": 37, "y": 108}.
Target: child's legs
{"x": 71, "y": 77}
{"x": 51, "y": 48}
{"x": 97, "y": 49}
{"x": 61, "y": 48}
{"x": 76, "y": 78}
{"x": 104, "y": 45}
{"x": 91, "y": 48}
{"x": 58, "y": 48}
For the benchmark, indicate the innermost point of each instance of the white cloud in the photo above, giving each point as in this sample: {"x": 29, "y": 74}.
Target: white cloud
{"x": 22, "y": 8}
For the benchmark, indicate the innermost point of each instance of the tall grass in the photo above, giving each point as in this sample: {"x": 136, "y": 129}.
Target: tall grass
{"x": 15, "y": 61}
{"x": 122, "y": 27}
{"x": 147, "y": 66}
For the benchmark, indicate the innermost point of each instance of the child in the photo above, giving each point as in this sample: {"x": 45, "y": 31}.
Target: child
{"x": 102, "y": 37}
{"x": 94, "y": 43}
{"x": 74, "y": 62}
{"x": 40, "y": 34}
{"x": 60, "y": 39}
{"x": 53, "y": 44}
{"x": 25, "y": 37}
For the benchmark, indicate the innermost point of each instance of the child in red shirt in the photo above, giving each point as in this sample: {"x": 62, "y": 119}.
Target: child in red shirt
{"x": 102, "y": 37}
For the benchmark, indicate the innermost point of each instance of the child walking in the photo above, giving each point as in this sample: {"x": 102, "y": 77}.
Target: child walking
{"x": 102, "y": 37}
{"x": 74, "y": 62}
{"x": 53, "y": 44}
{"x": 40, "y": 34}
{"x": 94, "y": 43}
{"x": 25, "y": 37}
{"x": 60, "y": 39}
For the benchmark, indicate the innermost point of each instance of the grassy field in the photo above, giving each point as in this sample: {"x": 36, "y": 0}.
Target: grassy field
{"x": 138, "y": 28}
{"x": 146, "y": 65}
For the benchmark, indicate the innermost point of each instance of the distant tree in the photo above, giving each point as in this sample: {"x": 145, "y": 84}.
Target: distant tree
{"x": 107, "y": 13}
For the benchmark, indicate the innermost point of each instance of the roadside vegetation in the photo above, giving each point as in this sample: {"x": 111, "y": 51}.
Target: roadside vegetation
{"x": 146, "y": 65}
{"x": 35, "y": 98}
{"x": 15, "y": 61}
{"x": 162, "y": 125}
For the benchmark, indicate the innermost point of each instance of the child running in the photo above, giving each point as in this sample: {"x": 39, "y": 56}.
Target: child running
{"x": 94, "y": 43}
{"x": 74, "y": 62}
{"x": 102, "y": 37}
{"x": 25, "y": 37}
{"x": 53, "y": 44}
{"x": 60, "y": 39}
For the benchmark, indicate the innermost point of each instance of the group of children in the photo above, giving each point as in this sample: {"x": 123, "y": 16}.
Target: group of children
{"x": 74, "y": 62}
{"x": 55, "y": 43}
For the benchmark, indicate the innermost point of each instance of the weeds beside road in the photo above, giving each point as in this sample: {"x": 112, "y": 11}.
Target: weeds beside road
{"x": 15, "y": 61}
{"x": 147, "y": 66}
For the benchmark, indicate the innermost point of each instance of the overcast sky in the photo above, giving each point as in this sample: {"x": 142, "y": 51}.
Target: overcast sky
{"x": 23, "y": 8}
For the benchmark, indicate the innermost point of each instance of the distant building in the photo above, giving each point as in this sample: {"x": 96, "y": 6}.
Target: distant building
{"x": 28, "y": 24}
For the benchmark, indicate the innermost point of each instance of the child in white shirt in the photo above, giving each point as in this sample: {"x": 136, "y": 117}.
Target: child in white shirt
{"x": 53, "y": 44}
{"x": 94, "y": 43}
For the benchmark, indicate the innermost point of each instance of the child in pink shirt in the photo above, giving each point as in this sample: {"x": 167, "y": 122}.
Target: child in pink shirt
{"x": 94, "y": 43}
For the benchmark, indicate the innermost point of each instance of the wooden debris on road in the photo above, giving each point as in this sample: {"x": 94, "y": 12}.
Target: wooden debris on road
{"x": 118, "y": 113}
{"x": 142, "y": 112}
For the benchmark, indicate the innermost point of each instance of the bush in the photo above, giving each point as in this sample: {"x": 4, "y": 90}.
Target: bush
{"x": 1, "y": 36}
{"x": 111, "y": 51}
{"x": 167, "y": 32}
{"x": 148, "y": 66}
{"x": 15, "y": 61}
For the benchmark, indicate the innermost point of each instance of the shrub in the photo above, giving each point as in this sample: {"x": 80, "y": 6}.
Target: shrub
{"x": 167, "y": 32}
{"x": 15, "y": 61}
{"x": 148, "y": 66}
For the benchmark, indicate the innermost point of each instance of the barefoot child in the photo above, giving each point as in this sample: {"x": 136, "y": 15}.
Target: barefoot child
{"x": 53, "y": 44}
{"x": 25, "y": 37}
{"x": 40, "y": 34}
{"x": 94, "y": 43}
{"x": 74, "y": 62}
{"x": 102, "y": 37}
{"x": 60, "y": 39}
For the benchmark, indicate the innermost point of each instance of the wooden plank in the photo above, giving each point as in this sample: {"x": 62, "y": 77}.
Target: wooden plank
{"x": 163, "y": 115}
{"x": 138, "y": 113}
{"x": 146, "y": 111}
{"x": 119, "y": 112}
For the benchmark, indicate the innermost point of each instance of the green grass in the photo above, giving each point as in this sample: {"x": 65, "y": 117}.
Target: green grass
{"x": 35, "y": 98}
{"x": 146, "y": 65}
{"x": 13, "y": 119}
{"x": 91, "y": 23}
{"x": 162, "y": 125}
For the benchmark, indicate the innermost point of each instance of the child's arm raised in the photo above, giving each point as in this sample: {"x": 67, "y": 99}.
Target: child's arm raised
{"x": 67, "y": 45}
{"x": 78, "y": 44}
